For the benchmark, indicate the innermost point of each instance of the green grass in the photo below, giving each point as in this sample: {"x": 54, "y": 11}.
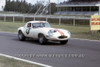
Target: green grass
{"x": 73, "y": 29}
{"x": 76, "y": 31}
{"x": 12, "y": 27}
{"x": 7, "y": 62}
{"x": 9, "y": 26}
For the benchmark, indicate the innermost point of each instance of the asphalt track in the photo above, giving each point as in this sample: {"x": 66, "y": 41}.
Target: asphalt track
{"x": 77, "y": 53}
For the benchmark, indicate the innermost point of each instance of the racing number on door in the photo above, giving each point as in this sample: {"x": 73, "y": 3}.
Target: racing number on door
{"x": 28, "y": 30}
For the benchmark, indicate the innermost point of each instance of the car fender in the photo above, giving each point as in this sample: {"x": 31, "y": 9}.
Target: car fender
{"x": 22, "y": 29}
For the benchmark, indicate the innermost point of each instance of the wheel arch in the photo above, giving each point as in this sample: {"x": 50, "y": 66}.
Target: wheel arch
{"x": 20, "y": 30}
{"x": 40, "y": 34}
{"x": 44, "y": 40}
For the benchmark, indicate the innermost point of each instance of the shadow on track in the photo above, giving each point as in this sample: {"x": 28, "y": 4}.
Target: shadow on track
{"x": 35, "y": 42}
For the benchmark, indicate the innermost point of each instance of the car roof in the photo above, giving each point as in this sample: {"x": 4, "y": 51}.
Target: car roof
{"x": 37, "y": 22}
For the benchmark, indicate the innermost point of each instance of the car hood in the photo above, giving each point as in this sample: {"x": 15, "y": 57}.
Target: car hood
{"x": 58, "y": 30}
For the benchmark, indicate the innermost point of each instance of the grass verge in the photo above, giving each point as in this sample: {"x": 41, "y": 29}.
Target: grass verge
{"x": 7, "y": 62}
{"x": 76, "y": 31}
{"x": 10, "y": 26}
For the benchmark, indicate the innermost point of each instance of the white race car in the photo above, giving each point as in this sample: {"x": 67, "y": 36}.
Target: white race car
{"x": 42, "y": 31}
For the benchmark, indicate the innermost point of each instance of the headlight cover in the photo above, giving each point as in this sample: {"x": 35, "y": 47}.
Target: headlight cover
{"x": 69, "y": 33}
{"x": 50, "y": 32}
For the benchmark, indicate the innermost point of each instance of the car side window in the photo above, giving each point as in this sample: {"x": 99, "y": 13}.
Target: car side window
{"x": 29, "y": 25}
{"x": 35, "y": 25}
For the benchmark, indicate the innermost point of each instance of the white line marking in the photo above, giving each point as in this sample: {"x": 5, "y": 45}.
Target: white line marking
{"x": 12, "y": 57}
{"x": 86, "y": 39}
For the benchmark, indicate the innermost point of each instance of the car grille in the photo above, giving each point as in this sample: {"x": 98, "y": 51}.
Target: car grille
{"x": 61, "y": 37}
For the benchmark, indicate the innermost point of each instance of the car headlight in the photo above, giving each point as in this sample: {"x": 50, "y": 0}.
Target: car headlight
{"x": 69, "y": 33}
{"x": 50, "y": 32}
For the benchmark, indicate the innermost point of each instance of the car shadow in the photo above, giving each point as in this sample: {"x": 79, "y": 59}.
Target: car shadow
{"x": 49, "y": 43}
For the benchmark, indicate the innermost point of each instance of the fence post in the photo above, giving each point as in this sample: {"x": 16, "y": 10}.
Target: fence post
{"x": 23, "y": 19}
{"x": 46, "y": 19}
{"x": 4, "y": 18}
{"x": 60, "y": 21}
{"x": 74, "y": 21}
{"x": 90, "y": 25}
{"x": 13, "y": 19}
{"x": 34, "y": 18}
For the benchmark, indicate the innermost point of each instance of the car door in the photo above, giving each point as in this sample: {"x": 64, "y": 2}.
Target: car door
{"x": 28, "y": 29}
{"x": 34, "y": 31}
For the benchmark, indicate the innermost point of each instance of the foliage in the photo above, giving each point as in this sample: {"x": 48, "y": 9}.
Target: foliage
{"x": 24, "y": 7}
{"x": 53, "y": 8}
{"x": 17, "y": 6}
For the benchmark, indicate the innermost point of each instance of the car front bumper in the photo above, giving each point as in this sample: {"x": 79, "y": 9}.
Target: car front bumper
{"x": 58, "y": 38}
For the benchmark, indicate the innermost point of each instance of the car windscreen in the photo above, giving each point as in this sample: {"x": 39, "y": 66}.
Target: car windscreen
{"x": 36, "y": 25}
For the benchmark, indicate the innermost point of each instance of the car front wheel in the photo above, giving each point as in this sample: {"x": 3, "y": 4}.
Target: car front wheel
{"x": 21, "y": 37}
{"x": 42, "y": 39}
{"x": 64, "y": 42}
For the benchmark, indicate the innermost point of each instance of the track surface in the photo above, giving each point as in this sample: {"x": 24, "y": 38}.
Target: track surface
{"x": 54, "y": 54}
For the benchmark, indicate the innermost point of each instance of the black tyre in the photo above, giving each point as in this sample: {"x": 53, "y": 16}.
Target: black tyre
{"x": 64, "y": 42}
{"x": 42, "y": 39}
{"x": 21, "y": 37}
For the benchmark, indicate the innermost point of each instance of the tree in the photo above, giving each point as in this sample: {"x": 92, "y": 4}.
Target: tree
{"x": 24, "y": 7}
{"x": 53, "y": 8}
{"x": 17, "y": 6}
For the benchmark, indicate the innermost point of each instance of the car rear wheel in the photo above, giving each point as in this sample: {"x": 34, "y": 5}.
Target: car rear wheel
{"x": 21, "y": 37}
{"x": 64, "y": 42}
{"x": 42, "y": 39}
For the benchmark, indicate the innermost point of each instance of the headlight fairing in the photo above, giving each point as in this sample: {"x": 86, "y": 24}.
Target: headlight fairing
{"x": 50, "y": 32}
{"x": 69, "y": 33}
